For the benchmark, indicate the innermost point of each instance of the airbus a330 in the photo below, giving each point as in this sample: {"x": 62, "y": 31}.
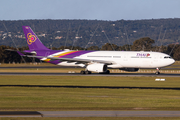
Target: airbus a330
{"x": 95, "y": 61}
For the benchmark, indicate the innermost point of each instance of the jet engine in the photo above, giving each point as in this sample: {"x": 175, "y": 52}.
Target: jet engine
{"x": 129, "y": 69}
{"x": 97, "y": 67}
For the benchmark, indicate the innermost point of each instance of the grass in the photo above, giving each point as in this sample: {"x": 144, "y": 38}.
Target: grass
{"x": 52, "y": 99}
{"x": 42, "y": 70}
{"x": 89, "y": 81}
{"x": 38, "y": 69}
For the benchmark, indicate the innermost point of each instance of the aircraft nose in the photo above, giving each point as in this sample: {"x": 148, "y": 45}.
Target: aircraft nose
{"x": 172, "y": 61}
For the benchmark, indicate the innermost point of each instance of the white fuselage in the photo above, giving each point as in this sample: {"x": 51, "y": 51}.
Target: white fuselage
{"x": 127, "y": 59}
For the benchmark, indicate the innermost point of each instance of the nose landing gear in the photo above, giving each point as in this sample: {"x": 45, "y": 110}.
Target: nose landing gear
{"x": 157, "y": 71}
{"x": 89, "y": 72}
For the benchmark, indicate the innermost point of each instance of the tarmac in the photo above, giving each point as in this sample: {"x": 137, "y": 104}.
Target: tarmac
{"x": 89, "y": 113}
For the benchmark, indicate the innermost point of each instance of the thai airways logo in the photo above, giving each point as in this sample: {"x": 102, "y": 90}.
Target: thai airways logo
{"x": 143, "y": 55}
{"x": 30, "y": 38}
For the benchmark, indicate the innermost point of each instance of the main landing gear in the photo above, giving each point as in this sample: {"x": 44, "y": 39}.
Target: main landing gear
{"x": 157, "y": 71}
{"x": 85, "y": 72}
{"x": 107, "y": 72}
{"x": 89, "y": 72}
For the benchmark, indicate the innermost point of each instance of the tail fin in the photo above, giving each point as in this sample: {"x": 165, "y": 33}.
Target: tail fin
{"x": 33, "y": 41}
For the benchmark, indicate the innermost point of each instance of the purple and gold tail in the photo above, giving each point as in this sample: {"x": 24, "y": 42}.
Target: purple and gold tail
{"x": 33, "y": 41}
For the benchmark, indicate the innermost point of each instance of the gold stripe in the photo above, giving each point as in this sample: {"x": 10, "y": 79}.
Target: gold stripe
{"x": 46, "y": 60}
{"x": 62, "y": 54}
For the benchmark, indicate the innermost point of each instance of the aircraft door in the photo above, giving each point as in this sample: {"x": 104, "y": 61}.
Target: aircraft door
{"x": 125, "y": 57}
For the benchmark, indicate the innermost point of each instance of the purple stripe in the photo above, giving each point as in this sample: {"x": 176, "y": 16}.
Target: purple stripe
{"x": 72, "y": 55}
{"x": 50, "y": 52}
{"x": 75, "y": 54}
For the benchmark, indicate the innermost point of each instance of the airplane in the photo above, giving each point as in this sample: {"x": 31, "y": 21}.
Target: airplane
{"x": 95, "y": 61}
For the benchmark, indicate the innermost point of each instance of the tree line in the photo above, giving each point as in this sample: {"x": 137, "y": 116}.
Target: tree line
{"x": 92, "y": 32}
{"x": 142, "y": 44}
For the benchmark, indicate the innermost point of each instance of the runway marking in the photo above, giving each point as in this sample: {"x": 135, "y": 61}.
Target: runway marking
{"x": 95, "y": 87}
{"x": 90, "y": 114}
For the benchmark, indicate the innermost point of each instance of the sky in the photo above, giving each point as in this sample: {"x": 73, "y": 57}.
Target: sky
{"x": 110, "y": 10}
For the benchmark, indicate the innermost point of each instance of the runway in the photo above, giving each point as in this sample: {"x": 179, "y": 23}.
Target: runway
{"x": 89, "y": 113}
{"x": 110, "y": 113}
{"x": 93, "y": 74}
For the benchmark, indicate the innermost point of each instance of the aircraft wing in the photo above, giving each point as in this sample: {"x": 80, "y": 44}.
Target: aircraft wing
{"x": 79, "y": 60}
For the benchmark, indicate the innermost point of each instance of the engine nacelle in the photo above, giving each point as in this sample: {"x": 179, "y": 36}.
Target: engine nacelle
{"x": 97, "y": 67}
{"x": 129, "y": 69}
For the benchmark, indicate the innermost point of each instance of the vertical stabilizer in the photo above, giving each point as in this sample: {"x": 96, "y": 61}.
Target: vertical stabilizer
{"x": 32, "y": 40}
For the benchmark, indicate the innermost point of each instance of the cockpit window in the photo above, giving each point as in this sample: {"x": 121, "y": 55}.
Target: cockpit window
{"x": 167, "y": 57}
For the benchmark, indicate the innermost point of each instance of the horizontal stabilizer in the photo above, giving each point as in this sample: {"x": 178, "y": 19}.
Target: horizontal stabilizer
{"x": 21, "y": 53}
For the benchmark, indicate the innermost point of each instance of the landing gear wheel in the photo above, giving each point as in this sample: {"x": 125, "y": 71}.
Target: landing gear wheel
{"x": 157, "y": 73}
{"x": 87, "y": 72}
{"x": 107, "y": 72}
{"x": 82, "y": 72}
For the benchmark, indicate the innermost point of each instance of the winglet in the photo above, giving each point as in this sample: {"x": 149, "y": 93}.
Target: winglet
{"x": 32, "y": 40}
